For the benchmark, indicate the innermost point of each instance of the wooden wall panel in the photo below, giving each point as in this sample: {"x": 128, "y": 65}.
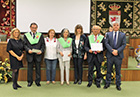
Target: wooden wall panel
{"x": 127, "y": 75}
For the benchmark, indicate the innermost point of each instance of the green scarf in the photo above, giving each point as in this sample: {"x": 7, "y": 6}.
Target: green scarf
{"x": 33, "y": 40}
{"x": 65, "y": 44}
{"x": 92, "y": 40}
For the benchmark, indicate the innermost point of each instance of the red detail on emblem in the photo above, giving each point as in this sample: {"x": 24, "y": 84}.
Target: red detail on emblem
{"x": 113, "y": 19}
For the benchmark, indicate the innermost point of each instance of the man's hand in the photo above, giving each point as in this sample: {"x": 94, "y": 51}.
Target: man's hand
{"x": 90, "y": 51}
{"x": 39, "y": 53}
{"x": 30, "y": 52}
{"x": 98, "y": 51}
{"x": 115, "y": 52}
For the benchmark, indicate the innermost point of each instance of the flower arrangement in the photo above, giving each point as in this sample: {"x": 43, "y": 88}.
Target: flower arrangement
{"x": 104, "y": 72}
{"x": 5, "y": 71}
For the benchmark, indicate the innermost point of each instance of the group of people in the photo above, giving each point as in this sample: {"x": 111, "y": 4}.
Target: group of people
{"x": 78, "y": 47}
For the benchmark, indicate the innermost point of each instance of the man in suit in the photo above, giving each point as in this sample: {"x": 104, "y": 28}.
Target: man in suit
{"x": 34, "y": 40}
{"x": 115, "y": 44}
{"x": 94, "y": 58}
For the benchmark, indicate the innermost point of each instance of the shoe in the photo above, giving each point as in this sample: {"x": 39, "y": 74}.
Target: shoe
{"x": 75, "y": 82}
{"x": 67, "y": 83}
{"x": 53, "y": 82}
{"x": 89, "y": 85}
{"x": 80, "y": 82}
{"x": 29, "y": 84}
{"x": 106, "y": 86}
{"x": 38, "y": 84}
{"x": 18, "y": 86}
{"x": 62, "y": 83}
{"x": 14, "y": 86}
{"x": 47, "y": 82}
{"x": 118, "y": 88}
{"x": 98, "y": 85}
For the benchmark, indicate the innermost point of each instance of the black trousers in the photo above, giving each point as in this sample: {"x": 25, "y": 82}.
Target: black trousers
{"x": 117, "y": 61}
{"x": 78, "y": 68}
{"x": 37, "y": 70}
{"x": 91, "y": 65}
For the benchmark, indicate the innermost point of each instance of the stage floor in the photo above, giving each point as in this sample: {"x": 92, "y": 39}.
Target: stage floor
{"x": 129, "y": 89}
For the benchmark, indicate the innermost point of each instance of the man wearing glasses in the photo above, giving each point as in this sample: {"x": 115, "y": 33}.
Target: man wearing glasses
{"x": 34, "y": 46}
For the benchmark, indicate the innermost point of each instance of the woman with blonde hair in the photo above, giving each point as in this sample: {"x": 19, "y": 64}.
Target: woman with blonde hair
{"x": 15, "y": 49}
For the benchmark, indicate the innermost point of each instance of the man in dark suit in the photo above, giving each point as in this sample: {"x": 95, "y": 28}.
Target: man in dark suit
{"x": 115, "y": 44}
{"x": 34, "y": 40}
{"x": 94, "y": 58}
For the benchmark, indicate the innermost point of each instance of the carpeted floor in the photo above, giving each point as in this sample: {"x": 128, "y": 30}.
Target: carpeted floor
{"x": 129, "y": 89}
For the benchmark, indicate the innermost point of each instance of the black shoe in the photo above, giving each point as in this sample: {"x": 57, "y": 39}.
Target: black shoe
{"x": 106, "y": 86}
{"x": 98, "y": 85}
{"x": 18, "y": 86}
{"x": 80, "y": 82}
{"x": 38, "y": 84}
{"x": 89, "y": 85}
{"x": 14, "y": 86}
{"x": 75, "y": 82}
{"x": 118, "y": 88}
{"x": 29, "y": 84}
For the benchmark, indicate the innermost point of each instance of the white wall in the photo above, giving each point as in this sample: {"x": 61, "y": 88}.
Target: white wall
{"x": 56, "y": 14}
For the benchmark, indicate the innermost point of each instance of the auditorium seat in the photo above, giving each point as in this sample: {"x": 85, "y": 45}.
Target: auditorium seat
{"x": 3, "y": 37}
{"x": 131, "y": 49}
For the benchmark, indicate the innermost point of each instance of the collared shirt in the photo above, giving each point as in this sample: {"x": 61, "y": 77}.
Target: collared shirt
{"x": 33, "y": 34}
{"x": 94, "y": 36}
{"x": 116, "y": 36}
{"x": 50, "y": 50}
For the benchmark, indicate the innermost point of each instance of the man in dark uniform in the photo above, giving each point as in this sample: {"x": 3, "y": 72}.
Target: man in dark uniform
{"x": 34, "y": 40}
{"x": 94, "y": 58}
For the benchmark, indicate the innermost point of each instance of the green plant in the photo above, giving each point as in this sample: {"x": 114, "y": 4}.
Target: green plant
{"x": 5, "y": 71}
{"x": 104, "y": 72}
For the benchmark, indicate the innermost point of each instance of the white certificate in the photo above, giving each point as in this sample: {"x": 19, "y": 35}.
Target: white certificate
{"x": 66, "y": 57}
{"x": 96, "y": 46}
{"x": 35, "y": 50}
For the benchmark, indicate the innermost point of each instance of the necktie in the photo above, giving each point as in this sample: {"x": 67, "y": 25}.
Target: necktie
{"x": 115, "y": 40}
{"x": 95, "y": 38}
{"x": 33, "y": 35}
{"x": 95, "y": 41}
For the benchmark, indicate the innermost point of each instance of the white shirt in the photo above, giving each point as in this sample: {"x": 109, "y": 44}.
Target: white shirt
{"x": 116, "y": 36}
{"x": 94, "y": 36}
{"x": 77, "y": 43}
{"x": 50, "y": 50}
{"x": 33, "y": 34}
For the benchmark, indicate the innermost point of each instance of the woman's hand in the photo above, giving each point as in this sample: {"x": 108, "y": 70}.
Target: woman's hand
{"x": 19, "y": 58}
{"x": 85, "y": 56}
{"x": 69, "y": 54}
{"x": 61, "y": 54}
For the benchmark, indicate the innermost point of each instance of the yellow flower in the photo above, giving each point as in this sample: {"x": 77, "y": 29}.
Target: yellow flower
{"x": 6, "y": 59}
{"x": 103, "y": 72}
{"x": 5, "y": 79}
{"x": 8, "y": 65}
{"x": 104, "y": 77}
{"x": 0, "y": 76}
{"x": 2, "y": 68}
{"x": 3, "y": 63}
{"x": 0, "y": 62}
